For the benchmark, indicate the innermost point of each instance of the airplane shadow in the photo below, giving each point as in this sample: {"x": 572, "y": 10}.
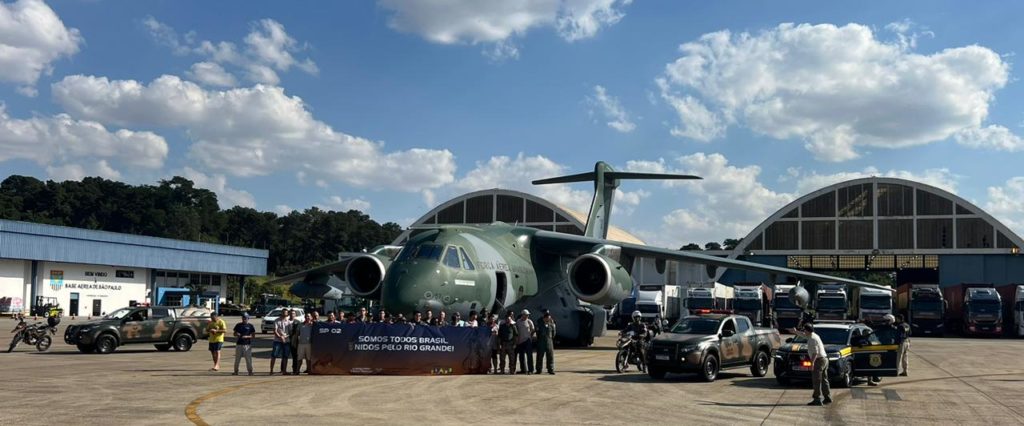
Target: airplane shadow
{"x": 634, "y": 377}
{"x": 129, "y": 351}
{"x": 728, "y": 404}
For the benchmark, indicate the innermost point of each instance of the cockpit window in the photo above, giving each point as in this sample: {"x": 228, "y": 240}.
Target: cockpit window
{"x": 451, "y": 257}
{"x": 429, "y": 251}
{"x": 466, "y": 263}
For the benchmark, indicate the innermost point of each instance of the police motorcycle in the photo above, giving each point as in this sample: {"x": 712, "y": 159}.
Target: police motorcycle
{"x": 32, "y": 334}
{"x": 631, "y": 344}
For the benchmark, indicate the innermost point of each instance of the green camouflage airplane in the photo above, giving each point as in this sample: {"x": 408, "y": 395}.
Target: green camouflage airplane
{"x": 461, "y": 268}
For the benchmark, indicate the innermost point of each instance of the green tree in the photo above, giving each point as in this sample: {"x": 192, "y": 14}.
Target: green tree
{"x": 691, "y": 247}
{"x": 712, "y": 246}
{"x": 731, "y": 243}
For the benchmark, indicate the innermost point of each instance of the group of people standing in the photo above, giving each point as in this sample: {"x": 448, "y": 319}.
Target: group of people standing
{"x": 511, "y": 338}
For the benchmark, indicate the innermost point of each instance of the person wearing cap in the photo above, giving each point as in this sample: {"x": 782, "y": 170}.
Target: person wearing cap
{"x": 524, "y": 343}
{"x": 507, "y": 338}
{"x": 244, "y": 333}
{"x": 887, "y": 335}
{"x": 903, "y": 339}
{"x": 546, "y": 343}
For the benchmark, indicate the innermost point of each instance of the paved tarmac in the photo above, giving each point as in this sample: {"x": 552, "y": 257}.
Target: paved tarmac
{"x": 953, "y": 381}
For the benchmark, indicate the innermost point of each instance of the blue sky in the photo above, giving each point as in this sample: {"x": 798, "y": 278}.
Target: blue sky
{"x": 394, "y": 106}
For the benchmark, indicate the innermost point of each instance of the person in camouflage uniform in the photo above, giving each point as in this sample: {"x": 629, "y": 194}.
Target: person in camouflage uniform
{"x": 546, "y": 343}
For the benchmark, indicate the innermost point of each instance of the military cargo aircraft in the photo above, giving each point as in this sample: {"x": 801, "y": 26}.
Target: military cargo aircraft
{"x": 460, "y": 268}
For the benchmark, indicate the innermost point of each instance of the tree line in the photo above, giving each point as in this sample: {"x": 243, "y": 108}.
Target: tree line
{"x": 727, "y": 244}
{"x": 176, "y": 209}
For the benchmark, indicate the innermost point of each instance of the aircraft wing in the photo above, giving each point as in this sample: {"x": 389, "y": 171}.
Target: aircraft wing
{"x": 567, "y": 243}
{"x": 315, "y": 283}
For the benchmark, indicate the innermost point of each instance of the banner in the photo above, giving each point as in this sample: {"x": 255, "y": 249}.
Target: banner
{"x": 399, "y": 349}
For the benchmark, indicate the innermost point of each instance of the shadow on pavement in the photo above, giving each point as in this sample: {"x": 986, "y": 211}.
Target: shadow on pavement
{"x": 115, "y": 353}
{"x": 729, "y": 404}
{"x": 767, "y": 383}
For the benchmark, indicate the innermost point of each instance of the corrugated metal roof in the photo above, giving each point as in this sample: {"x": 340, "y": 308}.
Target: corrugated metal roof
{"x": 33, "y": 241}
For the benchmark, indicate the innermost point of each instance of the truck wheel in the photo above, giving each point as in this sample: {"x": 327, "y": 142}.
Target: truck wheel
{"x": 162, "y": 347}
{"x": 759, "y": 367}
{"x": 182, "y": 342}
{"x": 44, "y": 343}
{"x": 655, "y": 372}
{"x": 85, "y": 349}
{"x": 709, "y": 372}
{"x": 106, "y": 344}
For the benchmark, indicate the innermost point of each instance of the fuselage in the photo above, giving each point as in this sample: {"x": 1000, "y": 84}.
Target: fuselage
{"x": 461, "y": 268}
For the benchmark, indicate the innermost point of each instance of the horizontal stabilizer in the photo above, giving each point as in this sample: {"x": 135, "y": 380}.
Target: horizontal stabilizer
{"x": 591, "y": 176}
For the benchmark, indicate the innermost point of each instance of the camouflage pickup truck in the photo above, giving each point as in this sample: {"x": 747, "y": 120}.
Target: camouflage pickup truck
{"x": 165, "y": 327}
{"x": 707, "y": 343}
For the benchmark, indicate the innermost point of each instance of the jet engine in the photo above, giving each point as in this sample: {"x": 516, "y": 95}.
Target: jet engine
{"x": 597, "y": 279}
{"x": 365, "y": 274}
{"x": 799, "y": 296}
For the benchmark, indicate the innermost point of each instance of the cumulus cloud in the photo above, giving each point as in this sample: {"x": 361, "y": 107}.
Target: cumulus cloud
{"x": 610, "y": 108}
{"x": 32, "y": 37}
{"x": 72, "y": 149}
{"x": 226, "y": 197}
{"x": 266, "y": 50}
{"x": 283, "y": 209}
{"x": 993, "y": 137}
{"x": 938, "y": 177}
{"x": 498, "y": 22}
{"x": 727, "y": 203}
{"x": 253, "y": 131}
{"x": 336, "y": 203}
{"x": 211, "y": 74}
{"x": 1006, "y": 203}
{"x": 837, "y": 89}
{"x": 516, "y": 173}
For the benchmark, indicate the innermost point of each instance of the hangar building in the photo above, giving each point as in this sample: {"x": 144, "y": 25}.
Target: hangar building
{"x": 920, "y": 233}
{"x": 91, "y": 272}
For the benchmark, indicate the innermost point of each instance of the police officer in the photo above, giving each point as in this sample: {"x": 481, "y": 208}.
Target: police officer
{"x": 546, "y": 343}
{"x": 887, "y": 334}
{"x": 640, "y": 331}
{"x": 903, "y": 338}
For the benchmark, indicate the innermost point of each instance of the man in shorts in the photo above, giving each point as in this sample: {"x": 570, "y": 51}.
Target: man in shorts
{"x": 216, "y": 330}
{"x": 282, "y": 348}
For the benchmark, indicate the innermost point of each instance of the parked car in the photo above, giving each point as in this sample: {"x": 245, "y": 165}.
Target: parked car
{"x": 165, "y": 327}
{"x": 267, "y": 326}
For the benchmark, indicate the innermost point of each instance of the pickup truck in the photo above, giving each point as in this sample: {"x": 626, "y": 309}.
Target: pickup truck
{"x": 707, "y": 343}
{"x": 165, "y": 327}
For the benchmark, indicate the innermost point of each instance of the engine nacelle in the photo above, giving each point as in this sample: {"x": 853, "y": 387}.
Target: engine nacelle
{"x": 365, "y": 274}
{"x": 799, "y": 296}
{"x": 597, "y": 279}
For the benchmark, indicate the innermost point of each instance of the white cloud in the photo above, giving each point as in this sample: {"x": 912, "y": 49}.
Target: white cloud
{"x": 72, "y": 149}
{"x": 1006, "y": 203}
{"x": 993, "y": 137}
{"x": 32, "y": 37}
{"x": 337, "y": 203}
{"x": 254, "y": 131}
{"x": 612, "y": 110}
{"x": 516, "y": 173}
{"x": 283, "y": 209}
{"x": 809, "y": 182}
{"x": 226, "y": 197}
{"x": 267, "y": 49}
{"x": 497, "y": 22}
{"x": 211, "y": 74}
{"x": 835, "y": 88}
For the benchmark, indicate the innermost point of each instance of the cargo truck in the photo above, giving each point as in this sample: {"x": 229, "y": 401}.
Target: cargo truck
{"x": 656, "y": 300}
{"x": 1018, "y": 311}
{"x": 976, "y": 309}
{"x": 787, "y": 315}
{"x": 1013, "y": 309}
{"x": 717, "y": 296}
{"x": 871, "y": 304}
{"x": 831, "y": 302}
{"x": 924, "y": 308}
{"x": 754, "y": 301}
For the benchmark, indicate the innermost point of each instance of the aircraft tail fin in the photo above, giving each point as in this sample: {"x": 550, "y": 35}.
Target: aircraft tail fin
{"x": 606, "y": 180}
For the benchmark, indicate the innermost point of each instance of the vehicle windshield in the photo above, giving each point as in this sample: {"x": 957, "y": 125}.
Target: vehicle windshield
{"x": 747, "y": 305}
{"x": 829, "y": 336}
{"x": 831, "y": 303}
{"x": 696, "y": 326}
{"x": 984, "y": 307}
{"x": 700, "y": 303}
{"x": 119, "y": 314}
{"x": 926, "y": 305}
{"x": 875, "y": 302}
{"x": 782, "y": 303}
{"x": 277, "y": 313}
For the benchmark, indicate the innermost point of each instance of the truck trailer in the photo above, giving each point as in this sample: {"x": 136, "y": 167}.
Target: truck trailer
{"x": 976, "y": 309}
{"x": 1013, "y": 309}
{"x": 924, "y": 308}
{"x": 754, "y": 301}
{"x": 657, "y": 300}
{"x": 871, "y": 304}
{"x": 716, "y": 296}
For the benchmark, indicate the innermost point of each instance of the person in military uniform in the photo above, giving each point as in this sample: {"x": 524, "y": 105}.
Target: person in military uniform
{"x": 546, "y": 343}
{"x": 903, "y": 338}
{"x": 507, "y": 335}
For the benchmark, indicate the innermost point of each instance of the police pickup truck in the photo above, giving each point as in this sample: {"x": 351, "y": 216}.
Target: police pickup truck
{"x": 854, "y": 351}
{"x": 165, "y": 327}
{"x": 711, "y": 341}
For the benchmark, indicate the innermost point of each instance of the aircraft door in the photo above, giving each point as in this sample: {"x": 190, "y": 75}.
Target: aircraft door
{"x": 499, "y": 291}
{"x": 875, "y": 357}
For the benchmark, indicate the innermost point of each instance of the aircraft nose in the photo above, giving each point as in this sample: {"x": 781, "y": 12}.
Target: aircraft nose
{"x": 399, "y": 293}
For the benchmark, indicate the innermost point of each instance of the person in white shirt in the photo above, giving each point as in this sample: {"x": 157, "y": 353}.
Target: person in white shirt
{"x": 819, "y": 365}
{"x": 524, "y": 342}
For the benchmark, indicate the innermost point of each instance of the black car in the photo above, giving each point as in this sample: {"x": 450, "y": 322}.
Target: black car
{"x": 853, "y": 351}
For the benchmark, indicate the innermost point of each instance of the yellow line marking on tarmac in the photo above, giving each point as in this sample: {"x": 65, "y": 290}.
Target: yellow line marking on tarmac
{"x": 192, "y": 409}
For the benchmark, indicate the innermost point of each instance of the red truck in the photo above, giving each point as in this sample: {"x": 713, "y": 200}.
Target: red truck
{"x": 923, "y": 307}
{"x": 975, "y": 309}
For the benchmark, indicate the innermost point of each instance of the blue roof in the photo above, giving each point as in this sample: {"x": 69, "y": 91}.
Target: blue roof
{"x": 33, "y": 241}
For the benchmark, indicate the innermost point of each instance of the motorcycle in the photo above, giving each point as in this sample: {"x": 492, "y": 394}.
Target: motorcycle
{"x": 34, "y": 334}
{"x": 630, "y": 352}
